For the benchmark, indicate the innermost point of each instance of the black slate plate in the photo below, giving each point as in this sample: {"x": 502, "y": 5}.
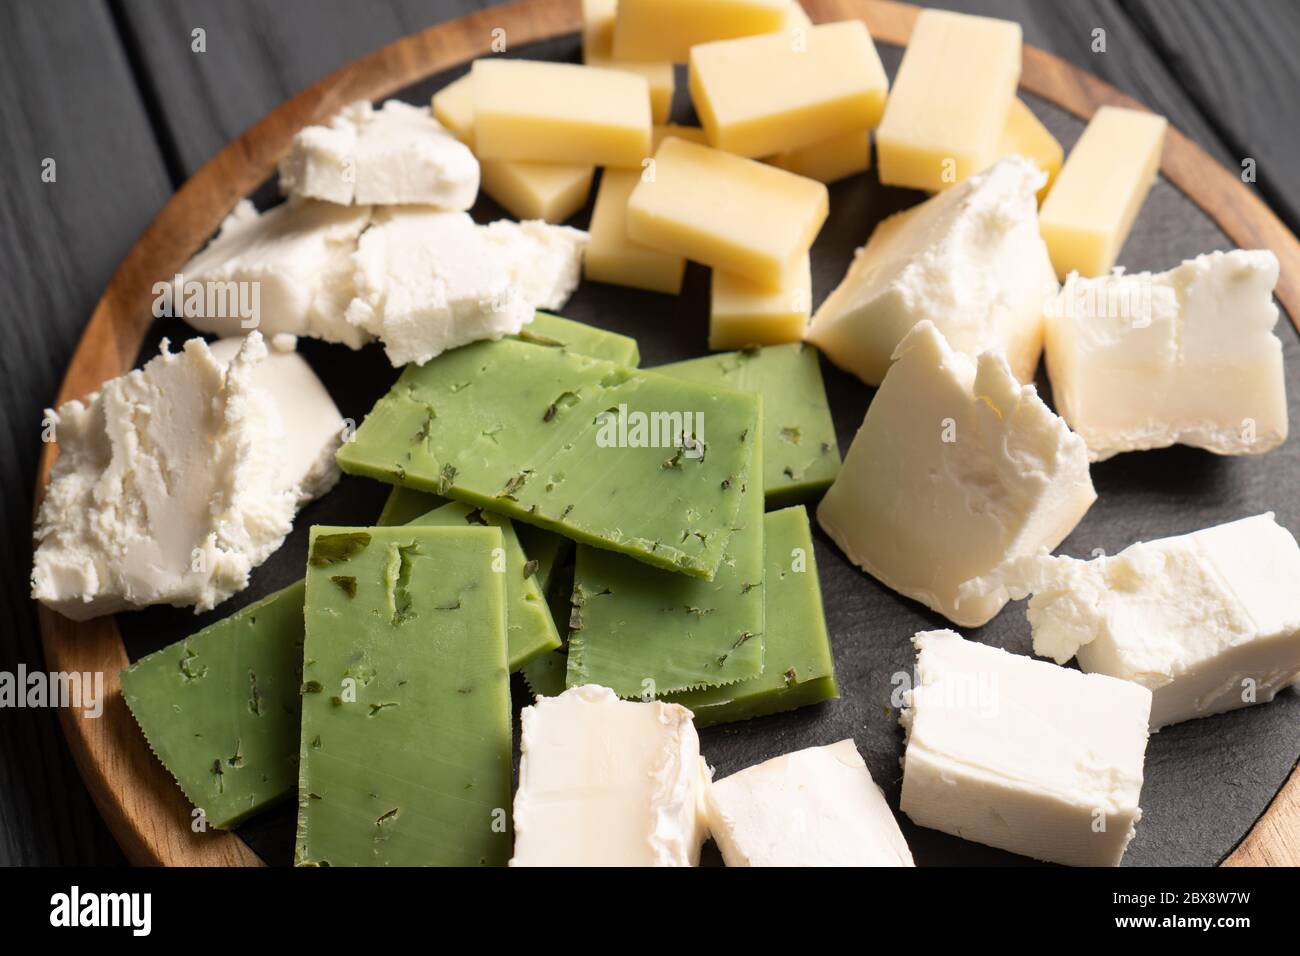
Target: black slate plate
{"x": 1207, "y": 781}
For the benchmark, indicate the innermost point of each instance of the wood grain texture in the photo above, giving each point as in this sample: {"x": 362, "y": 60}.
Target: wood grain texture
{"x": 68, "y": 97}
{"x": 137, "y": 798}
{"x": 1244, "y": 102}
{"x": 258, "y": 55}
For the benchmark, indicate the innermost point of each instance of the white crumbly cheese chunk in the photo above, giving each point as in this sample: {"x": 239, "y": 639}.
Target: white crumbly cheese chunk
{"x": 394, "y": 155}
{"x": 294, "y": 261}
{"x": 1209, "y": 621}
{"x": 1185, "y": 357}
{"x": 956, "y": 469}
{"x": 608, "y": 782}
{"x": 428, "y": 281}
{"x": 814, "y": 807}
{"x": 970, "y": 259}
{"x": 1021, "y": 754}
{"x": 171, "y": 485}
{"x": 312, "y": 424}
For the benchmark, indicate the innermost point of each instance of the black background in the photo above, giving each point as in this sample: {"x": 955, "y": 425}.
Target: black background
{"x": 113, "y": 92}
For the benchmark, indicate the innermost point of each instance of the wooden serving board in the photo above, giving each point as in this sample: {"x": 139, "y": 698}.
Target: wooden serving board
{"x": 1217, "y": 790}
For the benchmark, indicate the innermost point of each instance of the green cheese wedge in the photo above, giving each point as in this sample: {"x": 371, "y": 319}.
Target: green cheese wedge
{"x": 575, "y": 445}
{"x": 530, "y": 631}
{"x": 557, "y": 332}
{"x": 798, "y": 668}
{"x": 643, "y": 632}
{"x": 405, "y": 746}
{"x": 800, "y": 454}
{"x": 220, "y": 709}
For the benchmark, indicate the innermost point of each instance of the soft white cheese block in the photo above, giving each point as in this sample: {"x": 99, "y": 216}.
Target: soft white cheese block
{"x": 1186, "y": 357}
{"x": 1021, "y": 754}
{"x": 396, "y": 154}
{"x": 1209, "y": 621}
{"x": 814, "y": 807}
{"x": 970, "y": 259}
{"x": 427, "y": 281}
{"x": 608, "y": 782}
{"x": 298, "y": 257}
{"x": 171, "y": 485}
{"x": 956, "y": 469}
{"x": 313, "y": 426}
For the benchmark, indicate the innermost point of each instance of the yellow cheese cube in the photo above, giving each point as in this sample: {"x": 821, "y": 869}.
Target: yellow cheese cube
{"x": 598, "y": 28}
{"x": 559, "y": 113}
{"x": 830, "y": 160}
{"x": 1025, "y": 135}
{"x": 597, "y": 50}
{"x": 725, "y": 211}
{"x": 1087, "y": 215}
{"x": 950, "y": 101}
{"x": 549, "y": 191}
{"x": 667, "y": 29}
{"x": 692, "y": 134}
{"x": 659, "y": 77}
{"x": 741, "y": 313}
{"x": 611, "y": 256}
{"x": 766, "y": 94}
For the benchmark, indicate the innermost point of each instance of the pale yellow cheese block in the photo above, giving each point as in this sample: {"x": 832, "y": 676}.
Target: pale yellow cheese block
{"x": 659, "y": 76}
{"x": 667, "y": 29}
{"x": 614, "y": 258}
{"x": 726, "y": 211}
{"x": 950, "y": 101}
{"x": 741, "y": 313}
{"x": 1090, "y": 210}
{"x": 549, "y": 191}
{"x": 761, "y": 95}
{"x": 830, "y": 160}
{"x": 453, "y": 107}
{"x": 598, "y": 28}
{"x": 1025, "y": 135}
{"x": 559, "y": 113}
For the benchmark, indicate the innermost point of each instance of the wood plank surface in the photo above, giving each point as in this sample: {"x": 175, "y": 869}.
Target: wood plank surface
{"x": 1237, "y": 63}
{"x": 258, "y": 55}
{"x": 69, "y": 97}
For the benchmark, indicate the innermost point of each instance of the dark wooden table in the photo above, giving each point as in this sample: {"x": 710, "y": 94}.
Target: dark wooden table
{"x": 115, "y": 94}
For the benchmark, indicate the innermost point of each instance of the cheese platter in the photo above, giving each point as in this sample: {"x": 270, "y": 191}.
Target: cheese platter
{"x": 1213, "y": 789}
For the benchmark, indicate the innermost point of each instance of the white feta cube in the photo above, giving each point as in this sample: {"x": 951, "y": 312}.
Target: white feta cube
{"x": 956, "y": 469}
{"x": 173, "y": 483}
{"x": 814, "y": 807}
{"x": 394, "y": 155}
{"x": 608, "y": 782}
{"x": 1209, "y": 621}
{"x": 1185, "y": 357}
{"x": 970, "y": 259}
{"x": 1021, "y": 754}
{"x": 428, "y": 281}
{"x": 296, "y": 259}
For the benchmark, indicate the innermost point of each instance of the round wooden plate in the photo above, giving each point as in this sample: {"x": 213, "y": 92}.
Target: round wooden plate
{"x": 145, "y": 810}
